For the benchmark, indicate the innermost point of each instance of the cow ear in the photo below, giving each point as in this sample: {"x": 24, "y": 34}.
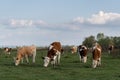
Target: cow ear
{"x": 43, "y": 57}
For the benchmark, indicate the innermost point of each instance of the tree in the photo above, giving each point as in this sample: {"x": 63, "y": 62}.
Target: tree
{"x": 89, "y": 41}
{"x": 100, "y": 36}
{"x": 105, "y": 42}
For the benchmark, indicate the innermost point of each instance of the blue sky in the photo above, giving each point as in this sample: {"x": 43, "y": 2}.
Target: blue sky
{"x": 40, "y": 22}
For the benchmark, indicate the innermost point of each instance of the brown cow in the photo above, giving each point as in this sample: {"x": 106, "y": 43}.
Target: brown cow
{"x": 73, "y": 49}
{"x": 7, "y": 50}
{"x": 53, "y": 55}
{"x": 96, "y": 53}
{"x": 82, "y": 51}
{"x": 25, "y": 51}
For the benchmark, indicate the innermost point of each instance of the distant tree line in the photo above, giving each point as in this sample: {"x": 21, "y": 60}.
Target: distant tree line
{"x": 103, "y": 40}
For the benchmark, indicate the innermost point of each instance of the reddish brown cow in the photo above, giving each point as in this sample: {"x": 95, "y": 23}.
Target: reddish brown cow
{"x": 96, "y": 53}
{"x": 53, "y": 55}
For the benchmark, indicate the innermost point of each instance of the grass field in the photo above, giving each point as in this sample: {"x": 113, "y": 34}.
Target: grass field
{"x": 69, "y": 69}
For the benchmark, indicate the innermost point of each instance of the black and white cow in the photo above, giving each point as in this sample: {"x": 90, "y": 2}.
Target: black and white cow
{"x": 82, "y": 51}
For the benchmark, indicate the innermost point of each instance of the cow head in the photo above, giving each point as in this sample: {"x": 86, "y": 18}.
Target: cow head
{"x": 50, "y": 57}
{"x": 46, "y": 61}
{"x": 82, "y": 48}
{"x": 17, "y": 59}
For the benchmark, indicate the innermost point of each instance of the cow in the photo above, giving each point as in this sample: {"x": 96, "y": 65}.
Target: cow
{"x": 82, "y": 51}
{"x": 53, "y": 54}
{"x": 110, "y": 48}
{"x": 73, "y": 49}
{"x": 25, "y": 51}
{"x": 7, "y": 50}
{"x": 96, "y": 55}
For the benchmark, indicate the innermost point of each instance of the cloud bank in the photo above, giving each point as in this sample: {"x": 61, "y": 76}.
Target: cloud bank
{"x": 100, "y": 18}
{"x": 39, "y": 32}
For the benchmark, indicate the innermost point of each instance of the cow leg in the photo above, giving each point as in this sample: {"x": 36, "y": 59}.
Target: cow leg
{"x": 99, "y": 62}
{"x": 58, "y": 58}
{"x": 80, "y": 58}
{"x": 21, "y": 60}
{"x": 84, "y": 59}
{"x": 34, "y": 55}
{"x": 9, "y": 53}
{"x": 26, "y": 56}
{"x": 55, "y": 60}
{"x": 94, "y": 63}
{"x": 109, "y": 51}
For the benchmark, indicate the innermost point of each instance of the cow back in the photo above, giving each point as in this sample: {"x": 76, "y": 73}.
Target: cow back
{"x": 57, "y": 46}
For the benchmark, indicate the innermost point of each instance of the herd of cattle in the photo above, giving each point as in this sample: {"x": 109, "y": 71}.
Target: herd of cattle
{"x": 54, "y": 54}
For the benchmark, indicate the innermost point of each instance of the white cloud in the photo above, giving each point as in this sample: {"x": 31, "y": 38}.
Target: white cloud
{"x": 79, "y": 19}
{"x": 100, "y": 18}
{"x": 22, "y": 23}
{"x": 14, "y": 22}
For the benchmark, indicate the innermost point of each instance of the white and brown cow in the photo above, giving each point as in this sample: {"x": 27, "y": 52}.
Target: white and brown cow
{"x": 110, "y": 48}
{"x": 7, "y": 50}
{"x": 82, "y": 51}
{"x": 25, "y": 51}
{"x": 73, "y": 49}
{"x": 96, "y": 54}
{"x": 53, "y": 55}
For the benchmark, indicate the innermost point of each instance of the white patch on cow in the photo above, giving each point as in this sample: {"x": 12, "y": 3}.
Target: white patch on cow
{"x": 46, "y": 61}
{"x": 50, "y": 47}
{"x": 94, "y": 63}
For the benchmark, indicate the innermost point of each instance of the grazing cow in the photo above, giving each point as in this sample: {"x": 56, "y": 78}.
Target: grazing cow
{"x": 7, "y": 50}
{"x": 96, "y": 53}
{"x": 110, "y": 48}
{"x": 73, "y": 49}
{"x": 82, "y": 51}
{"x": 53, "y": 55}
{"x": 25, "y": 51}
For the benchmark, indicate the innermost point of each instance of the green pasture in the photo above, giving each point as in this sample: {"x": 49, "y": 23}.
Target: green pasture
{"x": 69, "y": 69}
